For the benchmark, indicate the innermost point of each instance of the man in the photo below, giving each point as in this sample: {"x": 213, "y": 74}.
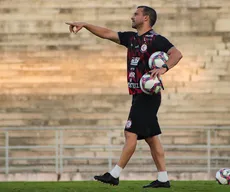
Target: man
{"x": 142, "y": 122}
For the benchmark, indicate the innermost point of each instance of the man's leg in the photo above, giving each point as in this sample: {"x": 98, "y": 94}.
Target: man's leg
{"x": 158, "y": 156}
{"x": 128, "y": 149}
{"x": 113, "y": 176}
{"x": 157, "y": 152}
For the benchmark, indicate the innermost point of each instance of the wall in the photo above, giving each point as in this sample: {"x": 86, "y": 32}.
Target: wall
{"x": 51, "y": 77}
{"x": 40, "y": 57}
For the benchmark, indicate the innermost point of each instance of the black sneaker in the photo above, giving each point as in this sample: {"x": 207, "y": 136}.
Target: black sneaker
{"x": 158, "y": 184}
{"x": 107, "y": 178}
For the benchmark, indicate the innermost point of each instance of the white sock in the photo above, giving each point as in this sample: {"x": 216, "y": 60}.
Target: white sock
{"x": 162, "y": 176}
{"x": 116, "y": 171}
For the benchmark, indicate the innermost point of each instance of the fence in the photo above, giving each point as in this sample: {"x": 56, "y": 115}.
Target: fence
{"x": 59, "y": 147}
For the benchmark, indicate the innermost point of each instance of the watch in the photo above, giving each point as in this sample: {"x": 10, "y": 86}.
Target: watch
{"x": 165, "y": 66}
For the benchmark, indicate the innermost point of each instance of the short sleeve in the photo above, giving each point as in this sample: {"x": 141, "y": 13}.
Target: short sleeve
{"x": 162, "y": 44}
{"x": 125, "y": 37}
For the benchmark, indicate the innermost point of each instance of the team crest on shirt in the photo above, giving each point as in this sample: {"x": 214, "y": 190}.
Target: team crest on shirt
{"x": 143, "y": 48}
{"x": 128, "y": 124}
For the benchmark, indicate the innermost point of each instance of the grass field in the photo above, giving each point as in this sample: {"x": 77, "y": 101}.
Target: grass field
{"x": 125, "y": 186}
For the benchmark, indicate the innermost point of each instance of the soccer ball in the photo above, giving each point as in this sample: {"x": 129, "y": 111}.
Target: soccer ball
{"x": 223, "y": 176}
{"x": 149, "y": 85}
{"x": 157, "y": 59}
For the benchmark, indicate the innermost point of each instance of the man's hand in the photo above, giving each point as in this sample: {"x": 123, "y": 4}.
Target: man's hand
{"x": 74, "y": 27}
{"x": 101, "y": 32}
{"x": 157, "y": 72}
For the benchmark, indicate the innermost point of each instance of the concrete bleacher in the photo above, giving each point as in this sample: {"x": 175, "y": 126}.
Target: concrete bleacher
{"x": 107, "y": 109}
{"x": 49, "y": 77}
{"x": 92, "y": 160}
{"x": 87, "y": 152}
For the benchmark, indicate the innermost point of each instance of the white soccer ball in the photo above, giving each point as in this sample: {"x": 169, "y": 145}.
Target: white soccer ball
{"x": 157, "y": 59}
{"x": 223, "y": 176}
{"x": 149, "y": 85}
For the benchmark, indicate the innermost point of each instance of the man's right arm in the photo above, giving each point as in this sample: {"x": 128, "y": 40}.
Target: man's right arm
{"x": 96, "y": 30}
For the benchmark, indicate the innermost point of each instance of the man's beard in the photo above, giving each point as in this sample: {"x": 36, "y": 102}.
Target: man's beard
{"x": 134, "y": 26}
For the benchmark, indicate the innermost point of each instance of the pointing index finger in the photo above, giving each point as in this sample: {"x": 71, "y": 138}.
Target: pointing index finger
{"x": 68, "y": 23}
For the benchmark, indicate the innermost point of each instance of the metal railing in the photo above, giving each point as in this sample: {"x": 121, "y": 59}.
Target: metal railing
{"x": 59, "y": 147}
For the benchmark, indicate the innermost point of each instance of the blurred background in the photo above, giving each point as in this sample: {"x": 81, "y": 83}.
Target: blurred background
{"x": 64, "y": 99}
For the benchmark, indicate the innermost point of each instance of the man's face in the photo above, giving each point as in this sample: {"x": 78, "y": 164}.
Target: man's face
{"x": 137, "y": 18}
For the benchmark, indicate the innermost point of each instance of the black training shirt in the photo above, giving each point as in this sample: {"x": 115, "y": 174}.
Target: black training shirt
{"x": 140, "y": 48}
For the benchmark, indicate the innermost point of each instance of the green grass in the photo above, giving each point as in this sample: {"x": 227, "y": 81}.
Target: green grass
{"x": 125, "y": 186}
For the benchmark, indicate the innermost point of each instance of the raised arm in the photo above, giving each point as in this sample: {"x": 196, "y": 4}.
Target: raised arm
{"x": 101, "y": 32}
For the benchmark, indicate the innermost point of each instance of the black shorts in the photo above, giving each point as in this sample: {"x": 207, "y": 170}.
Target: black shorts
{"x": 142, "y": 118}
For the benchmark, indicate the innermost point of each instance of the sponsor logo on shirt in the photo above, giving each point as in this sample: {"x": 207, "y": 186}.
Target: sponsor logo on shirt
{"x": 149, "y": 35}
{"x": 133, "y": 85}
{"x": 135, "y": 61}
{"x": 132, "y": 69}
{"x": 132, "y": 74}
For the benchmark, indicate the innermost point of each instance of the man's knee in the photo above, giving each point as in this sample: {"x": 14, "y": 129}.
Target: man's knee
{"x": 155, "y": 144}
{"x": 160, "y": 152}
{"x": 151, "y": 140}
{"x": 130, "y": 139}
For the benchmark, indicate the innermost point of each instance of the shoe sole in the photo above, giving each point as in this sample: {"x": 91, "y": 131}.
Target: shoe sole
{"x": 158, "y": 187}
{"x": 114, "y": 185}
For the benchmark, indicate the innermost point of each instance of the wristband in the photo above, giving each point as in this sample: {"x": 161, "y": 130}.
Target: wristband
{"x": 165, "y": 66}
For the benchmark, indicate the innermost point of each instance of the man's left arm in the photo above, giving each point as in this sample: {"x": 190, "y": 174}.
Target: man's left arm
{"x": 174, "y": 57}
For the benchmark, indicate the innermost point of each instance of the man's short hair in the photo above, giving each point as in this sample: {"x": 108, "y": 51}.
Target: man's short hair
{"x": 150, "y": 12}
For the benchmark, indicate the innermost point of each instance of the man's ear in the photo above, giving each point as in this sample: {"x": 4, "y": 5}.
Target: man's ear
{"x": 146, "y": 17}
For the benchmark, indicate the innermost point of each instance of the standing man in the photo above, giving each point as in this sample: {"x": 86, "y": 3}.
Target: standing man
{"x": 142, "y": 121}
